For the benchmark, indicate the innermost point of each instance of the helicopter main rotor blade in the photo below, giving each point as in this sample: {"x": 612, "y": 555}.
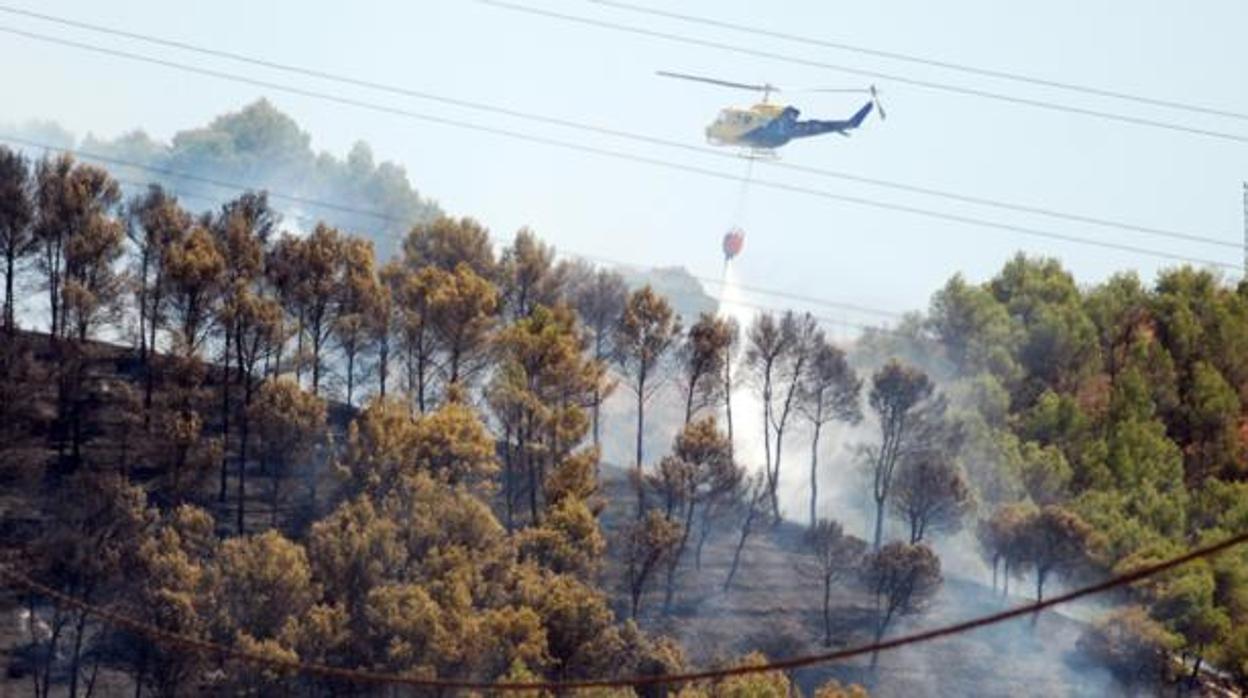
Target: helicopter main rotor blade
{"x": 853, "y": 90}
{"x": 721, "y": 83}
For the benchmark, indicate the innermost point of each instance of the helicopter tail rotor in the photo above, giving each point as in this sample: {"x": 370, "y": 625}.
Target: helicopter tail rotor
{"x": 875, "y": 97}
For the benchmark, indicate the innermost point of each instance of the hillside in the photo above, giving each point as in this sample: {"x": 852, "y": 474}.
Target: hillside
{"x": 771, "y": 607}
{"x": 294, "y": 445}
{"x": 774, "y": 606}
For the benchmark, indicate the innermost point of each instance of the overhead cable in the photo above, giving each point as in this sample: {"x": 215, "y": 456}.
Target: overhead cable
{"x": 20, "y": 580}
{"x": 917, "y": 60}
{"x": 871, "y": 74}
{"x": 620, "y": 155}
{"x": 620, "y": 133}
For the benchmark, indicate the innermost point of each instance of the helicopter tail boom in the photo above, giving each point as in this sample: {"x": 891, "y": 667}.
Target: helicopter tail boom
{"x": 856, "y": 120}
{"x": 814, "y": 127}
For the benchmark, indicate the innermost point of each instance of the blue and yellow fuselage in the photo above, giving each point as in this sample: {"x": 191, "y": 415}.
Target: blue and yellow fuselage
{"x": 768, "y": 126}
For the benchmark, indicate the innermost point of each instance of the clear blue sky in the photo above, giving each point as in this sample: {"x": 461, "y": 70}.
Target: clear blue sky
{"x": 645, "y": 215}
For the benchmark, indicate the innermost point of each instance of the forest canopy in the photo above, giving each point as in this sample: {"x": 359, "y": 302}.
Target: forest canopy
{"x": 308, "y": 449}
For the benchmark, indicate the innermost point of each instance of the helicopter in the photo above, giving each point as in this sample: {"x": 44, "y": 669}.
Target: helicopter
{"x": 762, "y": 128}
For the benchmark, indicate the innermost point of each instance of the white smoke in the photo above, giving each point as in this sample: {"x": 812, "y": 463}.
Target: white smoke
{"x": 748, "y": 439}
{"x": 747, "y": 407}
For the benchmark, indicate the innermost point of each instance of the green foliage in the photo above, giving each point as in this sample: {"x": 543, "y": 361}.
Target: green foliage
{"x": 1046, "y": 473}
{"x": 975, "y": 329}
{"x": 1210, "y": 415}
{"x": 1103, "y": 428}
{"x": 1133, "y": 646}
{"x": 1059, "y": 344}
{"x": 771, "y": 684}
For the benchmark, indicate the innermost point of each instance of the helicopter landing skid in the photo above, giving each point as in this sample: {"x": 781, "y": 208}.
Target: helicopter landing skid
{"x": 766, "y": 154}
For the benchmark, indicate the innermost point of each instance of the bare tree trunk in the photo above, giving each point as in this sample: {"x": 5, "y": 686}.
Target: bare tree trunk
{"x": 242, "y": 496}
{"x": 350, "y": 375}
{"x": 144, "y": 260}
{"x": 736, "y": 555}
{"x": 148, "y": 368}
{"x": 689, "y": 401}
{"x": 531, "y": 464}
{"x": 276, "y": 494}
{"x": 34, "y": 642}
{"x": 95, "y": 673}
{"x": 383, "y": 365}
{"x": 9, "y": 321}
{"x": 827, "y": 611}
{"x": 75, "y": 662}
{"x": 421, "y": 368}
{"x": 880, "y": 627}
{"x": 598, "y": 356}
{"x": 879, "y": 522}
{"x": 280, "y": 346}
{"x": 524, "y": 458}
{"x": 245, "y": 429}
{"x": 153, "y": 319}
{"x": 455, "y": 359}
{"x": 316, "y": 359}
{"x": 781, "y": 425}
{"x": 728, "y": 407}
{"x": 704, "y": 531}
{"x": 775, "y": 477}
{"x": 641, "y": 425}
{"x": 509, "y": 480}
{"x": 597, "y": 418}
{"x": 767, "y": 432}
{"x": 54, "y": 289}
{"x": 669, "y": 591}
{"x": 225, "y": 414}
{"x": 814, "y": 474}
{"x": 299, "y": 349}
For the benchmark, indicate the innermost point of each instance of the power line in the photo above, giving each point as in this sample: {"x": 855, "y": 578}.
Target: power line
{"x": 875, "y": 75}
{"x": 198, "y": 178}
{"x": 318, "y": 202}
{"x": 809, "y": 299}
{"x": 918, "y": 60}
{"x": 363, "y": 676}
{"x": 757, "y": 306}
{"x": 614, "y": 132}
{"x": 649, "y": 267}
{"x": 620, "y": 155}
{"x": 214, "y": 201}
{"x": 813, "y": 300}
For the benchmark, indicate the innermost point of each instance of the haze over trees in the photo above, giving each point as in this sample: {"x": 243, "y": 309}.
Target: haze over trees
{"x": 260, "y": 147}
{"x": 322, "y": 448}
